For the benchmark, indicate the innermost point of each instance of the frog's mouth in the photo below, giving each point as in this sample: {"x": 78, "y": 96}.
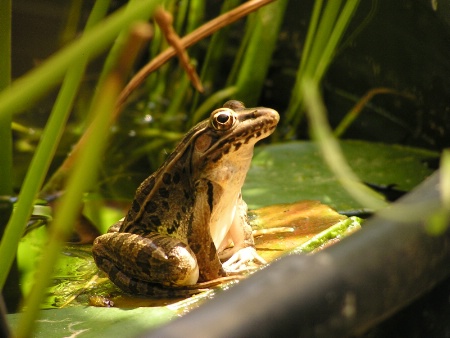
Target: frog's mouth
{"x": 257, "y": 124}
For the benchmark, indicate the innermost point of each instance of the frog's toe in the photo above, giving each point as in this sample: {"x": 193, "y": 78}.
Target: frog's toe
{"x": 242, "y": 260}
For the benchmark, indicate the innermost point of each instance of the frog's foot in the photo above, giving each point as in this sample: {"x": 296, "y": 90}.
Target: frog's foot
{"x": 213, "y": 283}
{"x": 241, "y": 259}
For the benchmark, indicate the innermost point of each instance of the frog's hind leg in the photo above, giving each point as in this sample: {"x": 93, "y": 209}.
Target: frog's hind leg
{"x": 135, "y": 286}
{"x": 132, "y": 261}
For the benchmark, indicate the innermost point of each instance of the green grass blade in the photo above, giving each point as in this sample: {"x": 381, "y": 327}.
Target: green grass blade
{"x": 326, "y": 27}
{"x": 295, "y": 100}
{"x": 319, "y": 40}
{"x": 196, "y": 13}
{"x": 310, "y": 36}
{"x": 323, "y": 37}
{"x": 214, "y": 101}
{"x": 5, "y": 43}
{"x": 80, "y": 180}
{"x": 38, "y": 168}
{"x": 44, "y": 153}
{"x": 5, "y": 80}
{"x": 258, "y": 55}
{"x": 237, "y": 63}
{"x": 26, "y": 90}
{"x": 331, "y": 151}
{"x": 118, "y": 44}
{"x": 212, "y": 66}
{"x": 336, "y": 35}
{"x": 445, "y": 179}
{"x": 71, "y": 23}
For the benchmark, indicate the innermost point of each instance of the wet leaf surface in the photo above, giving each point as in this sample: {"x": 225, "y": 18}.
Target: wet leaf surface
{"x": 305, "y": 218}
{"x": 288, "y": 186}
{"x": 295, "y": 171}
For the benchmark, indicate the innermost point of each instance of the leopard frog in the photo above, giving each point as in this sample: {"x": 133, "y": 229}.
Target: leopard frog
{"x": 189, "y": 217}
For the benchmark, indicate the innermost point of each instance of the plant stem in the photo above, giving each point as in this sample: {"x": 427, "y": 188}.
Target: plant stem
{"x": 70, "y": 203}
{"x": 5, "y": 43}
{"x": 294, "y": 107}
{"x": 81, "y": 178}
{"x": 351, "y": 115}
{"x": 256, "y": 64}
{"x": 211, "y": 102}
{"x": 331, "y": 151}
{"x": 44, "y": 154}
{"x": 445, "y": 179}
{"x": 187, "y": 41}
{"x": 26, "y": 90}
{"x": 335, "y": 37}
{"x": 324, "y": 35}
{"x": 5, "y": 81}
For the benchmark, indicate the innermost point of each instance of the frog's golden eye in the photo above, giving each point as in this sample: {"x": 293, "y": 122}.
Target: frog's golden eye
{"x": 223, "y": 119}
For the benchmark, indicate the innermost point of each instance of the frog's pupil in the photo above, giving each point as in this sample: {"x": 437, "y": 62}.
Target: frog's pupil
{"x": 222, "y": 118}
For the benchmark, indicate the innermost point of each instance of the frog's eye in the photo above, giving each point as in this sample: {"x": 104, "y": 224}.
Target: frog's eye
{"x": 223, "y": 119}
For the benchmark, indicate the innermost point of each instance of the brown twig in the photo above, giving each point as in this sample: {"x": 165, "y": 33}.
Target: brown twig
{"x": 200, "y": 33}
{"x": 58, "y": 178}
{"x": 164, "y": 20}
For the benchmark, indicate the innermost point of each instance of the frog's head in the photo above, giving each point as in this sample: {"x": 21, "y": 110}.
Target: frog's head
{"x": 235, "y": 129}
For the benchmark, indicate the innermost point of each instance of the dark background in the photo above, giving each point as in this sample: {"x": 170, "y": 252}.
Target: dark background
{"x": 401, "y": 45}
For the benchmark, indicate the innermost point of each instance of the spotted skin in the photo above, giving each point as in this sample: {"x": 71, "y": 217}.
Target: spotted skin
{"x": 185, "y": 214}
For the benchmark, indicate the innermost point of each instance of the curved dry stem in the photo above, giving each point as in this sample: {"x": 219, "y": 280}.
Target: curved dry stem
{"x": 164, "y": 20}
{"x": 200, "y": 33}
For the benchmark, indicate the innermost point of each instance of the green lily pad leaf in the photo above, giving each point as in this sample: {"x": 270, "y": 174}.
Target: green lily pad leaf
{"x": 280, "y": 175}
{"x": 97, "y": 322}
{"x": 277, "y": 230}
{"x": 77, "y": 283}
{"x": 294, "y": 171}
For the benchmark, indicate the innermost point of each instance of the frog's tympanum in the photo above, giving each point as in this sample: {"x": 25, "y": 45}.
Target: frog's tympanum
{"x": 189, "y": 216}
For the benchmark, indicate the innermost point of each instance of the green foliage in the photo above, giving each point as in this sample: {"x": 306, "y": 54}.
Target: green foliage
{"x": 326, "y": 28}
{"x": 295, "y": 171}
{"x": 72, "y": 60}
{"x": 98, "y": 322}
{"x": 279, "y": 174}
{"x": 5, "y": 80}
{"x": 165, "y": 107}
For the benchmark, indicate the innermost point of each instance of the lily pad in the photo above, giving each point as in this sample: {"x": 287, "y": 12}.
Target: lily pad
{"x": 295, "y": 171}
{"x": 97, "y": 322}
{"x": 130, "y": 316}
{"x": 280, "y": 174}
{"x": 305, "y": 219}
{"x": 278, "y": 229}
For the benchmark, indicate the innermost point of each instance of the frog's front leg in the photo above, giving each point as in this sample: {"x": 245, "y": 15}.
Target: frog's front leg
{"x": 134, "y": 262}
{"x": 243, "y": 252}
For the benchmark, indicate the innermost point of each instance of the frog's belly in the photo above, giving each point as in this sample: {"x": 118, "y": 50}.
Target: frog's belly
{"x": 221, "y": 220}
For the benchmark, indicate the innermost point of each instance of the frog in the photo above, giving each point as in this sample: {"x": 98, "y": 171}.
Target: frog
{"x": 187, "y": 224}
